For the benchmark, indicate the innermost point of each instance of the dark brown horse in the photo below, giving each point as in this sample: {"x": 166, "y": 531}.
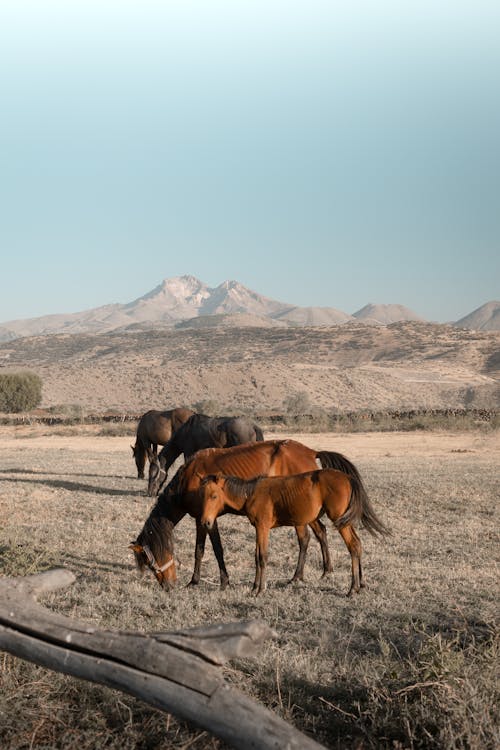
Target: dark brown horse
{"x": 182, "y": 495}
{"x": 156, "y": 428}
{"x": 293, "y": 501}
{"x": 198, "y": 432}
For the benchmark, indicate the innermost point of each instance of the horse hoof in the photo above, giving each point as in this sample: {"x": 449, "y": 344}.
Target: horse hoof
{"x": 351, "y": 592}
{"x": 191, "y": 584}
{"x": 224, "y": 585}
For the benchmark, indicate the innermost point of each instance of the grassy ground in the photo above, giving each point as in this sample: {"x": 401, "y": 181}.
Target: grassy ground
{"x": 409, "y": 663}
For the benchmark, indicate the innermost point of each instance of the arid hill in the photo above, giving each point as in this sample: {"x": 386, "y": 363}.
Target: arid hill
{"x": 356, "y": 366}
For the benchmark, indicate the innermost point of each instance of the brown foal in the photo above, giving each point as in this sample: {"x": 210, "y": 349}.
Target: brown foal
{"x": 269, "y": 502}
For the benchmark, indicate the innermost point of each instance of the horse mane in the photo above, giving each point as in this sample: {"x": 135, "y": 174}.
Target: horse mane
{"x": 242, "y": 488}
{"x": 157, "y": 531}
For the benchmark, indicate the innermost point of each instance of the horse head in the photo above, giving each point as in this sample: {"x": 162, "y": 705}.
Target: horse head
{"x": 212, "y": 489}
{"x": 139, "y": 458}
{"x": 163, "y": 568}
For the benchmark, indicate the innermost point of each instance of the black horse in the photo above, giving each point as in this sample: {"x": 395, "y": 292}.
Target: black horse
{"x": 198, "y": 432}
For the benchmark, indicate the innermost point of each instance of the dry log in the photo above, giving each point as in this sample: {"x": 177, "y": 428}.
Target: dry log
{"x": 178, "y": 672}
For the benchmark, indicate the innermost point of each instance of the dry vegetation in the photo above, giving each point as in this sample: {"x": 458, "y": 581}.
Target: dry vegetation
{"x": 341, "y": 368}
{"x": 409, "y": 663}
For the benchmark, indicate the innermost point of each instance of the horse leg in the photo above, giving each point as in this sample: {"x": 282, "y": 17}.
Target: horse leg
{"x": 303, "y": 537}
{"x": 261, "y": 559}
{"x": 219, "y": 554}
{"x": 140, "y": 458}
{"x": 353, "y": 544}
{"x": 319, "y": 530}
{"x": 199, "y": 550}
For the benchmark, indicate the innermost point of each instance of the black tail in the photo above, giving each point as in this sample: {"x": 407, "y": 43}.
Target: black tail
{"x": 360, "y": 510}
{"x": 331, "y": 460}
{"x": 259, "y": 435}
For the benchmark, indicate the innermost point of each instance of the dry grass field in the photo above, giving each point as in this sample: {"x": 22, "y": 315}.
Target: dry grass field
{"x": 408, "y": 663}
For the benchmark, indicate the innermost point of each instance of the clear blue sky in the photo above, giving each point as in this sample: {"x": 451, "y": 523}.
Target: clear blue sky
{"x": 319, "y": 152}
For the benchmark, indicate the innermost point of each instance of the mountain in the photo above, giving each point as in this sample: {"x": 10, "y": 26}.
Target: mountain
{"x": 175, "y": 299}
{"x": 485, "y": 318}
{"x": 385, "y": 314}
{"x": 180, "y": 298}
{"x": 186, "y": 298}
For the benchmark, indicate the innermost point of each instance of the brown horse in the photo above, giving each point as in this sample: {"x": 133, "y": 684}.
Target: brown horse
{"x": 182, "y": 495}
{"x": 293, "y": 501}
{"x": 156, "y": 428}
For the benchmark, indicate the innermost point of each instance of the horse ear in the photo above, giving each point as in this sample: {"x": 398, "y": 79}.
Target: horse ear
{"x": 212, "y": 477}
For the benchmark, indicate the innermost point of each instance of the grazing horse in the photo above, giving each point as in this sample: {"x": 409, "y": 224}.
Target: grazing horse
{"x": 182, "y": 495}
{"x": 155, "y": 428}
{"x": 199, "y": 432}
{"x": 270, "y": 502}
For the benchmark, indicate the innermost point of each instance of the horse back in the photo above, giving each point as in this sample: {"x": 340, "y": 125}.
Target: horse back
{"x": 244, "y": 461}
{"x": 292, "y": 457}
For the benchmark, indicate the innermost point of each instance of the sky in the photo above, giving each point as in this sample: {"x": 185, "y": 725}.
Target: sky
{"x": 321, "y": 153}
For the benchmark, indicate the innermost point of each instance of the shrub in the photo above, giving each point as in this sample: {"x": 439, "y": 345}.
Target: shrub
{"x": 19, "y": 391}
{"x": 297, "y": 403}
{"x": 209, "y": 406}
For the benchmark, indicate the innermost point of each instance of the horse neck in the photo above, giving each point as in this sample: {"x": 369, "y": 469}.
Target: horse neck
{"x": 237, "y": 492}
{"x": 168, "y": 454}
{"x": 158, "y": 535}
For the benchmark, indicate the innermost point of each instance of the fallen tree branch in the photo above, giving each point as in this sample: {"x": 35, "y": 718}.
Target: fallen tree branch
{"x": 178, "y": 672}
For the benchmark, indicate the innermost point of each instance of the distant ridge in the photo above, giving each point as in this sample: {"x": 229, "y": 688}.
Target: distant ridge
{"x": 185, "y": 298}
{"x": 385, "y": 314}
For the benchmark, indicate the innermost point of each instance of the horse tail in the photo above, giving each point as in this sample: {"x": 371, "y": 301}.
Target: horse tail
{"x": 331, "y": 460}
{"x": 259, "y": 435}
{"x": 360, "y": 510}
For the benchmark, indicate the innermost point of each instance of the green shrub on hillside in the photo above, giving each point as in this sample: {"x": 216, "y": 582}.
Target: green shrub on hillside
{"x": 19, "y": 391}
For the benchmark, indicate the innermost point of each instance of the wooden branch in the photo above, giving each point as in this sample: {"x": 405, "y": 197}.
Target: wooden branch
{"x": 177, "y": 672}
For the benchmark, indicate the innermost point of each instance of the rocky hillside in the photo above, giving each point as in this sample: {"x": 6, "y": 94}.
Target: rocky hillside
{"x": 355, "y": 366}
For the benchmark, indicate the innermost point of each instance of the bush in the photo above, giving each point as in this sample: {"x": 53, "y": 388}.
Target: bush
{"x": 19, "y": 391}
{"x": 209, "y": 406}
{"x": 297, "y": 403}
